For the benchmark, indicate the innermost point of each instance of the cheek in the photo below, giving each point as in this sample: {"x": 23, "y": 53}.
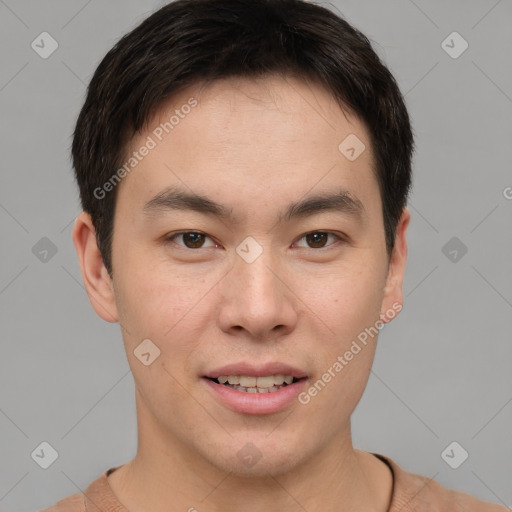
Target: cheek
{"x": 161, "y": 310}
{"x": 148, "y": 297}
{"x": 345, "y": 356}
{"x": 347, "y": 300}
{"x": 157, "y": 303}
{"x": 349, "y": 304}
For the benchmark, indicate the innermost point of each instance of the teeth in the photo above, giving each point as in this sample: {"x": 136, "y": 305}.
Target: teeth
{"x": 255, "y": 390}
{"x": 278, "y": 380}
{"x": 266, "y": 382}
{"x": 248, "y": 382}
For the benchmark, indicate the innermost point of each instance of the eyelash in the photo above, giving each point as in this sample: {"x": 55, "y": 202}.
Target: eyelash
{"x": 170, "y": 239}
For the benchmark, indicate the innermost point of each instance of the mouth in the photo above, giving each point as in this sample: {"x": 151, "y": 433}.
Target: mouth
{"x": 255, "y": 395}
{"x": 247, "y": 388}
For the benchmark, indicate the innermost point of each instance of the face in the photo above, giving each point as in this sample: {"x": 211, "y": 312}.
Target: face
{"x": 280, "y": 271}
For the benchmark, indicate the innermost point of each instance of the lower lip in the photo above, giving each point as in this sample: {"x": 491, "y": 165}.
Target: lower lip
{"x": 256, "y": 403}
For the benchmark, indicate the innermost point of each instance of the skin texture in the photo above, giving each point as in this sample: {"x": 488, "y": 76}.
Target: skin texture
{"x": 254, "y": 146}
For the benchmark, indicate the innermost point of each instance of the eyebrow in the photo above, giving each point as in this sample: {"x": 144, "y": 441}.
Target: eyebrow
{"x": 173, "y": 198}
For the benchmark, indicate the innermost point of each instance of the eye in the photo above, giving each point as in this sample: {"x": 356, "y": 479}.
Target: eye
{"x": 195, "y": 239}
{"x": 192, "y": 239}
{"x": 318, "y": 238}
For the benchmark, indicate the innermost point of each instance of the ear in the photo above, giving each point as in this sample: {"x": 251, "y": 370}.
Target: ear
{"x": 94, "y": 273}
{"x": 393, "y": 294}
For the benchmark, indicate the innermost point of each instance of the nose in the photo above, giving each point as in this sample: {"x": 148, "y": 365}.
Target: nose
{"x": 258, "y": 298}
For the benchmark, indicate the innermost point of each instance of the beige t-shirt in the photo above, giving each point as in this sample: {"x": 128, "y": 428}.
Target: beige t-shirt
{"x": 411, "y": 493}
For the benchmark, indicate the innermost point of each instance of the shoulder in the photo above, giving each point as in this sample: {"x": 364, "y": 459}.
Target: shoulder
{"x": 419, "y": 493}
{"x": 97, "y": 495}
{"x": 73, "y": 503}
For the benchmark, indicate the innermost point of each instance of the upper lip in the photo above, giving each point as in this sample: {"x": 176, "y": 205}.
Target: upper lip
{"x": 250, "y": 370}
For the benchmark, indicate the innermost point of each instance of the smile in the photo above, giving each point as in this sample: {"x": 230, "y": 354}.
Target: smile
{"x": 248, "y": 384}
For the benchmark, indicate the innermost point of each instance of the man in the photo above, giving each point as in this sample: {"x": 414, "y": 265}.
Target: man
{"x": 244, "y": 168}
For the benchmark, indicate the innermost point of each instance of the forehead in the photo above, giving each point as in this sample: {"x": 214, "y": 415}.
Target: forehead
{"x": 255, "y": 137}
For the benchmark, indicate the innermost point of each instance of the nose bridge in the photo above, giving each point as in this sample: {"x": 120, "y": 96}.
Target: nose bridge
{"x": 256, "y": 275}
{"x": 256, "y": 297}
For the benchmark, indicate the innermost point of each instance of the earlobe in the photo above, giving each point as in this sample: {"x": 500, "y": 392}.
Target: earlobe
{"x": 393, "y": 294}
{"x": 96, "y": 280}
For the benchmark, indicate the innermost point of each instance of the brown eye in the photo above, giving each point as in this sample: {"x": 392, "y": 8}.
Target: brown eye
{"x": 191, "y": 239}
{"x": 318, "y": 239}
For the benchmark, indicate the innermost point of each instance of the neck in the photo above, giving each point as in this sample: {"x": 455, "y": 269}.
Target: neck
{"x": 167, "y": 471}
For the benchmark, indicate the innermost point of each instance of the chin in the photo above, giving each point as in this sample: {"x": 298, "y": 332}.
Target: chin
{"x": 256, "y": 456}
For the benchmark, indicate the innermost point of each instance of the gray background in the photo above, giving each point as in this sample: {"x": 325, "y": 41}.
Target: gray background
{"x": 442, "y": 370}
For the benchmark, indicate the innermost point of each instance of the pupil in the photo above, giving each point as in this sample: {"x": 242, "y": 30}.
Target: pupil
{"x": 316, "y": 235}
{"x": 195, "y": 243}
